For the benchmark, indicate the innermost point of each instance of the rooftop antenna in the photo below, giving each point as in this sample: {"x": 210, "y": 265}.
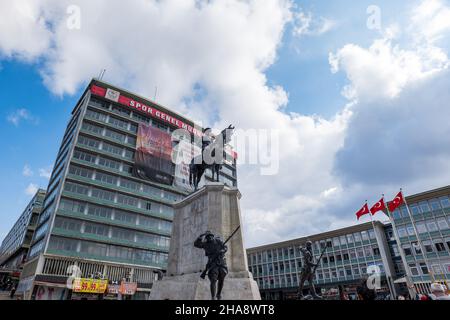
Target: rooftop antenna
{"x": 102, "y": 73}
{"x": 156, "y": 91}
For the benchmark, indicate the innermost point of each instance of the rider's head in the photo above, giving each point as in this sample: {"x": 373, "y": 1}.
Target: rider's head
{"x": 308, "y": 244}
{"x": 209, "y": 236}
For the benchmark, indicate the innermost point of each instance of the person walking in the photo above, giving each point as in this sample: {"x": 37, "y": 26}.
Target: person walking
{"x": 438, "y": 292}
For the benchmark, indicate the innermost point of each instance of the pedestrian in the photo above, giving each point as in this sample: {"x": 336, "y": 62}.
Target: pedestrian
{"x": 438, "y": 292}
{"x": 13, "y": 291}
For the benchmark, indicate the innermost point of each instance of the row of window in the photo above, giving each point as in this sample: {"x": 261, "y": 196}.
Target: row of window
{"x": 115, "y": 122}
{"x": 331, "y": 243}
{"x": 426, "y": 226}
{"x": 115, "y": 215}
{"x": 121, "y": 182}
{"x": 437, "y": 245}
{"x": 111, "y": 232}
{"x": 435, "y": 204}
{"x": 112, "y": 134}
{"x": 117, "y": 197}
{"x": 105, "y": 251}
{"x": 106, "y": 147}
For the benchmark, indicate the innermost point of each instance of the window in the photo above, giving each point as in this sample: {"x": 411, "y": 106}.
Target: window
{"x": 125, "y": 183}
{"x": 84, "y": 156}
{"x": 424, "y": 207}
{"x": 98, "y": 229}
{"x": 63, "y": 244}
{"x": 428, "y": 246}
{"x": 102, "y": 194}
{"x": 413, "y": 268}
{"x": 439, "y": 246}
{"x": 349, "y": 238}
{"x": 404, "y": 212}
{"x": 91, "y": 248}
{"x": 357, "y": 236}
{"x": 343, "y": 240}
{"x": 124, "y": 216}
{"x": 92, "y": 128}
{"x": 372, "y": 234}
{"x": 352, "y": 254}
{"x": 120, "y": 137}
{"x": 118, "y": 123}
{"x": 106, "y": 178}
{"x": 423, "y": 268}
{"x": 432, "y": 226}
{"x": 129, "y": 154}
{"x": 434, "y": 204}
{"x": 364, "y": 235}
{"x": 149, "y": 207}
{"x": 93, "y": 143}
{"x": 396, "y": 214}
{"x": 96, "y": 115}
{"x": 112, "y": 149}
{"x": 417, "y": 249}
{"x": 109, "y": 163}
{"x": 82, "y": 172}
{"x": 421, "y": 227}
{"x": 402, "y": 232}
{"x": 127, "y": 200}
{"x": 445, "y": 202}
{"x": 98, "y": 211}
{"x": 71, "y": 205}
{"x": 407, "y": 250}
{"x": 415, "y": 209}
{"x": 442, "y": 223}
{"x": 376, "y": 251}
{"x": 67, "y": 224}
{"x": 336, "y": 242}
{"x": 124, "y": 234}
{"x": 410, "y": 229}
{"x": 76, "y": 188}
{"x": 447, "y": 240}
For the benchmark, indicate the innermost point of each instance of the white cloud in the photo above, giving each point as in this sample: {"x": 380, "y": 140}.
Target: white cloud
{"x": 27, "y": 172}
{"x": 307, "y": 24}
{"x": 20, "y": 115}
{"x": 46, "y": 172}
{"x": 23, "y": 30}
{"x": 430, "y": 20}
{"x": 31, "y": 189}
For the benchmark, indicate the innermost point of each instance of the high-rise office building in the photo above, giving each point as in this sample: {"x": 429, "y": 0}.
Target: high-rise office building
{"x": 108, "y": 208}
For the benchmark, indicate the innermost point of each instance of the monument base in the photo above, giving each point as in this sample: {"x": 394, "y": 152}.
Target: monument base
{"x": 237, "y": 286}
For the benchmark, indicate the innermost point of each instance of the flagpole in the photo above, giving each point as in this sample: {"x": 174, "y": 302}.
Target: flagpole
{"x": 388, "y": 280}
{"x": 411, "y": 288}
{"x": 424, "y": 253}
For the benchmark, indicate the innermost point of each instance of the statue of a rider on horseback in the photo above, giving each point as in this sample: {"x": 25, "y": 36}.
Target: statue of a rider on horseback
{"x": 211, "y": 157}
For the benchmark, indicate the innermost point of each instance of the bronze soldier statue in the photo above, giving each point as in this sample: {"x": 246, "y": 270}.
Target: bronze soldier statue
{"x": 308, "y": 270}
{"x": 216, "y": 268}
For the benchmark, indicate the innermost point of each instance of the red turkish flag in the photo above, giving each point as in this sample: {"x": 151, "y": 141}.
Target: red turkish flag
{"x": 364, "y": 210}
{"x": 397, "y": 202}
{"x": 378, "y": 206}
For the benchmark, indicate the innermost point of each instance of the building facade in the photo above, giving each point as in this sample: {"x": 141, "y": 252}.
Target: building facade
{"x": 352, "y": 252}
{"x": 349, "y": 254}
{"x": 14, "y": 248}
{"x": 430, "y": 217}
{"x": 101, "y": 219}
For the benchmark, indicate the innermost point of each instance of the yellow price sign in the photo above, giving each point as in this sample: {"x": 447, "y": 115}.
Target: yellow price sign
{"x": 83, "y": 285}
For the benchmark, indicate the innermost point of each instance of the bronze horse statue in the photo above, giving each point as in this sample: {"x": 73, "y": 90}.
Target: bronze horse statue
{"x": 197, "y": 167}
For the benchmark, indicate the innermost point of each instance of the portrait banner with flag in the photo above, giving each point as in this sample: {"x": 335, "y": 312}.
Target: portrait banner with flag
{"x": 153, "y": 158}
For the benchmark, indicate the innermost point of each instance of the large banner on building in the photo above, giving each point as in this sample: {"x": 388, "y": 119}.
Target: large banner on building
{"x": 153, "y": 158}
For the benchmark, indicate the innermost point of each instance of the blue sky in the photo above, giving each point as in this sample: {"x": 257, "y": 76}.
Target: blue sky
{"x": 45, "y": 67}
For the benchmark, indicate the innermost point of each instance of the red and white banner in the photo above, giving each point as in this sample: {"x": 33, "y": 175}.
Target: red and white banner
{"x": 131, "y": 103}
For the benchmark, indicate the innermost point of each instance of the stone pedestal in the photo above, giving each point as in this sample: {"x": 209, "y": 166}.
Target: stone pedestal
{"x": 215, "y": 207}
